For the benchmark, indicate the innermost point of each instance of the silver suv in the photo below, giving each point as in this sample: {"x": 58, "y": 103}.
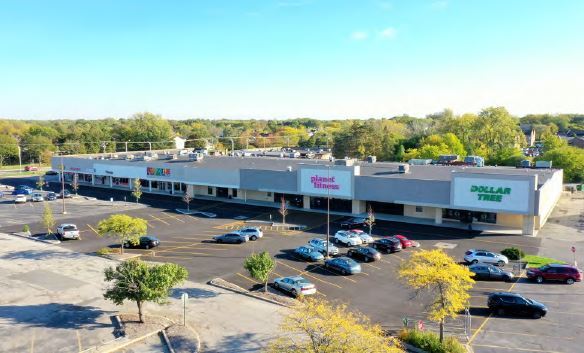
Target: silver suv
{"x": 253, "y": 233}
{"x": 320, "y": 246}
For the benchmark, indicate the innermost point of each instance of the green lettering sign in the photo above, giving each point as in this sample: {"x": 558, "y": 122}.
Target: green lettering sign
{"x": 490, "y": 193}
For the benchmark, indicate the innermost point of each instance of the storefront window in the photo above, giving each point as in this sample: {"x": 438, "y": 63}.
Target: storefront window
{"x": 469, "y": 216}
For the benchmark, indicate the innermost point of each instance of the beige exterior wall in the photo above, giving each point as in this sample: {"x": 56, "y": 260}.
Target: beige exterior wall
{"x": 203, "y": 190}
{"x": 549, "y": 194}
{"x": 510, "y": 220}
{"x": 256, "y": 195}
{"x": 427, "y": 212}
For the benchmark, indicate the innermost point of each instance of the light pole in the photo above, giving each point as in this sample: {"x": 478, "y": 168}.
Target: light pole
{"x": 126, "y": 146}
{"x": 19, "y": 159}
{"x": 63, "y": 184}
{"x": 328, "y": 208}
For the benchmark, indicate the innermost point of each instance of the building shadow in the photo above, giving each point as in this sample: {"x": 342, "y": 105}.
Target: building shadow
{"x": 40, "y": 255}
{"x": 198, "y": 293}
{"x": 53, "y": 315}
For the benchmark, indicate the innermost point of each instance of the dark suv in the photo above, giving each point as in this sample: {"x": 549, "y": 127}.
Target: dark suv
{"x": 504, "y": 303}
{"x": 387, "y": 245}
{"x": 555, "y": 272}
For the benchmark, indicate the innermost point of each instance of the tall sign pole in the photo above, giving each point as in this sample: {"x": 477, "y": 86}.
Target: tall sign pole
{"x": 328, "y": 209}
{"x": 63, "y": 184}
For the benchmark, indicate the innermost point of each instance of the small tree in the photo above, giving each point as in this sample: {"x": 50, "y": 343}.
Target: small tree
{"x": 283, "y": 209}
{"x": 370, "y": 218}
{"x": 75, "y": 183}
{"x": 48, "y": 219}
{"x": 137, "y": 190}
{"x": 187, "y": 199}
{"x": 139, "y": 282}
{"x": 318, "y": 326}
{"x": 448, "y": 282}
{"x": 40, "y": 182}
{"x": 260, "y": 266}
{"x": 125, "y": 228}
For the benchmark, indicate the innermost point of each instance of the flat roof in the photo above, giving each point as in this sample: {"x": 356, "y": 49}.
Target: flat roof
{"x": 377, "y": 169}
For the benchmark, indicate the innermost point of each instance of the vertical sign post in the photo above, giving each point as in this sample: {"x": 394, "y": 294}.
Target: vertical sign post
{"x": 184, "y": 297}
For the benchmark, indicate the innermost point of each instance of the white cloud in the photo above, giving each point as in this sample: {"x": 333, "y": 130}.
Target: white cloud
{"x": 359, "y": 35}
{"x": 388, "y": 33}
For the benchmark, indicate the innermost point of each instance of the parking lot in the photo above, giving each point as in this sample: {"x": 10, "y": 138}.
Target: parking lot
{"x": 377, "y": 292}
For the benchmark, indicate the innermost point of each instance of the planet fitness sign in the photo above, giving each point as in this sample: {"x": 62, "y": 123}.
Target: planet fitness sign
{"x": 164, "y": 172}
{"x": 493, "y": 194}
{"x": 323, "y": 182}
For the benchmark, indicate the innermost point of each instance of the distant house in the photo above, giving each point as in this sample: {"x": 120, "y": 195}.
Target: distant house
{"x": 529, "y": 133}
{"x": 576, "y": 142}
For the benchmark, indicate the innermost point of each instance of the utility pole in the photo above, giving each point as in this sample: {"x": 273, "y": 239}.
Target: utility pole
{"x": 19, "y": 159}
{"x": 63, "y": 184}
{"x": 328, "y": 209}
{"x": 126, "y": 146}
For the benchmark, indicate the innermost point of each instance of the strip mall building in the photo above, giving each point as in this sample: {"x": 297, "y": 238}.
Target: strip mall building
{"x": 496, "y": 198}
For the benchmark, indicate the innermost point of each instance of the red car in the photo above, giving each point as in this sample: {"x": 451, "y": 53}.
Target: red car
{"x": 555, "y": 272}
{"x": 405, "y": 242}
{"x": 31, "y": 168}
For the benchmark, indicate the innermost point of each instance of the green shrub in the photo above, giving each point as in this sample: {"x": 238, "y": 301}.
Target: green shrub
{"x": 513, "y": 253}
{"x": 26, "y": 228}
{"x": 430, "y": 342}
{"x": 104, "y": 251}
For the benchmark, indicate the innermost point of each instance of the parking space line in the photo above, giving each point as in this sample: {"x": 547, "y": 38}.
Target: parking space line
{"x": 309, "y": 275}
{"x": 329, "y": 271}
{"x": 386, "y": 261}
{"x": 79, "y": 341}
{"x": 32, "y": 342}
{"x": 249, "y": 279}
{"x": 515, "y": 348}
{"x": 93, "y": 229}
{"x": 161, "y": 220}
{"x": 379, "y": 268}
{"x": 528, "y": 334}
{"x": 175, "y": 217}
{"x": 178, "y": 247}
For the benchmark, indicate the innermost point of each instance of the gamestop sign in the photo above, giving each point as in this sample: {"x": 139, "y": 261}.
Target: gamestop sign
{"x": 491, "y": 194}
{"x": 322, "y": 182}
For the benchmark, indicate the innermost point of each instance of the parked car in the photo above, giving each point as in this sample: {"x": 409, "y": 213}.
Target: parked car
{"x": 31, "y": 168}
{"x": 347, "y": 238}
{"x": 68, "y": 231}
{"x": 405, "y": 242}
{"x": 344, "y": 265}
{"x": 309, "y": 253}
{"x": 51, "y": 196}
{"x": 22, "y": 190}
{"x": 20, "y": 198}
{"x": 52, "y": 172}
{"x": 145, "y": 242}
{"x": 37, "y": 197}
{"x": 365, "y": 238}
{"x": 387, "y": 245}
{"x": 295, "y": 285}
{"x": 503, "y": 303}
{"x": 490, "y": 272}
{"x": 25, "y": 187}
{"x": 555, "y": 272}
{"x": 356, "y": 222}
{"x": 65, "y": 193}
{"x": 231, "y": 238}
{"x": 473, "y": 256}
{"x": 320, "y": 246}
{"x": 253, "y": 233}
{"x": 363, "y": 253}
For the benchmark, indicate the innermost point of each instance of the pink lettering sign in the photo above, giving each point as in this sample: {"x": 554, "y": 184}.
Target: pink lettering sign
{"x": 319, "y": 182}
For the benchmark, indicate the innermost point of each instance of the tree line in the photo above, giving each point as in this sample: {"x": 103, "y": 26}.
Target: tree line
{"x": 493, "y": 134}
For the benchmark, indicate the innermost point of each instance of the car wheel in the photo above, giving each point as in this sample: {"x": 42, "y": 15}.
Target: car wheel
{"x": 507, "y": 279}
{"x": 344, "y": 272}
{"x": 147, "y": 246}
{"x": 539, "y": 279}
{"x": 501, "y": 263}
{"x": 570, "y": 281}
{"x": 500, "y": 312}
{"x": 239, "y": 241}
{"x": 219, "y": 241}
{"x": 374, "y": 246}
{"x": 276, "y": 285}
{"x": 294, "y": 293}
{"x": 253, "y": 237}
{"x": 537, "y": 315}
{"x": 474, "y": 262}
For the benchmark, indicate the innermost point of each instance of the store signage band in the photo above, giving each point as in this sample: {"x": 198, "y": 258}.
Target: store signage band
{"x": 158, "y": 171}
{"x": 490, "y": 193}
{"x": 319, "y": 182}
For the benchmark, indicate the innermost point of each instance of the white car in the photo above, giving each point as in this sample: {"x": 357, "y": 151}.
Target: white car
{"x": 347, "y": 238}
{"x": 68, "y": 231}
{"x": 20, "y": 198}
{"x": 37, "y": 197}
{"x": 320, "y": 246}
{"x": 253, "y": 233}
{"x": 366, "y": 238}
{"x": 295, "y": 285}
{"x": 473, "y": 256}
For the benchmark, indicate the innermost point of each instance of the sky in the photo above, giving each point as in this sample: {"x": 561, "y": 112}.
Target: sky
{"x": 325, "y": 59}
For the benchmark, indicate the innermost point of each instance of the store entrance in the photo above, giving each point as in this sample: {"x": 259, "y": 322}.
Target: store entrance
{"x": 292, "y": 200}
{"x": 469, "y": 216}
{"x": 338, "y": 205}
{"x": 223, "y": 192}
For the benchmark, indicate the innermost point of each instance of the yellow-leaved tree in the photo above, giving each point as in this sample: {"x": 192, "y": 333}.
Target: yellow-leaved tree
{"x": 317, "y": 326}
{"x": 436, "y": 272}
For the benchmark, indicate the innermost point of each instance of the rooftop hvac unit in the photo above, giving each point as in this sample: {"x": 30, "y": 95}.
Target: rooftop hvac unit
{"x": 371, "y": 159}
{"x": 543, "y": 164}
{"x": 348, "y": 162}
{"x": 403, "y": 168}
{"x": 289, "y": 168}
{"x": 195, "y": 157}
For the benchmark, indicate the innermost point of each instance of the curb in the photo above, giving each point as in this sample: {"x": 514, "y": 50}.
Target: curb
{"x": 244, "y": 292}
{"x": 129, "y": 342}
{"x": 52, "y": 242}
{"x": 196, "y": 336}
{"x": 167, "y": 341}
